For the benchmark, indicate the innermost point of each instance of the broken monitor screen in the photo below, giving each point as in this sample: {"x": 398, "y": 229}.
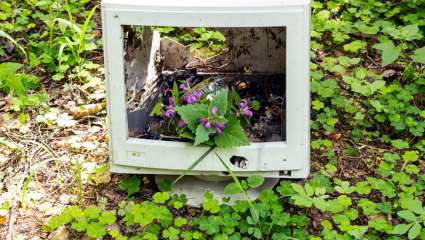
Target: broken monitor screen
{"x": 169, "y": 66}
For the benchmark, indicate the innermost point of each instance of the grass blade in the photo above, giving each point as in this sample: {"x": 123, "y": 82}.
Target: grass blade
{"x": 11, "y": 39}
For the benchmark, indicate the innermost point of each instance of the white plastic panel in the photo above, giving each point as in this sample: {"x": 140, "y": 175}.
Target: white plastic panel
{"x": 157, "y": 157}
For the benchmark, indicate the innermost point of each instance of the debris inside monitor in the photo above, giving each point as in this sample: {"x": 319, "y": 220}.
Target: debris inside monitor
{"x": 264, "y": 93}
{"x": 251, "y": 66}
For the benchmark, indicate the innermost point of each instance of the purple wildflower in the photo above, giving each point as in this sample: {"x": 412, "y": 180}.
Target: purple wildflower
{"x": 186, "y": 85}
{"x": 244, "y": 103}
{"x": 181, "y": 123}
{"x": 183, "y": 86}
{"x": 218, "y": 131}
{"x": 219, "y": 127}
{"x": 192, "y": 97}
{"x": 203, "y": 121}
{"x": 207, "y": 125}
{"x": 247, "y": 112}
{"x": 214, "y": 110}
{"x": 245, "y": 109}
{"x": 169, "y": 110}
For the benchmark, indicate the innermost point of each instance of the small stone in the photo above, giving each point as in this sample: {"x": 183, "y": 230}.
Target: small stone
{"x": 61, "y": 233}
{"x": 389, "y": 73}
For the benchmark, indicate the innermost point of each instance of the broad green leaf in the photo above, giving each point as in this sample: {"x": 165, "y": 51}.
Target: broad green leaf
{"x": 298, "y": 188}
{"x": 233, "y": 135}
{"x": 355, "y": 46}
{"x": 419, "y": 55}
{"x": 390, "y": 53}
{"x": 96, "y": 230}
{"x": 202, "y": 135}
{"x": 107, "y": 218}
{"x": 192, "y": 113}
{"x": 232, "y": 188}
{"x": 401, "y": 229}
{"x": 220, "y": 101}
{"x": 407, "y": 215}
{"x": 414, "y": 231}
{"x": 255, "y": 181}
{"x": 161, "y": 197}
{"x": 415, "y": 205}
{"x": 130, "y": 184}
{"x": 399, "y": 143}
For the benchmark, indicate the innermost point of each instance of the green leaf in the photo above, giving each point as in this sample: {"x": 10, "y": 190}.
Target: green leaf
{"x": 220, "y": 101}
{"x": 175, "y": 93}
{"x": 192, "y": 113}
{"x": 130, "y": 184}
{"x": 233, "y": 135}
{"x": 355, "y": 46}
{"x": 407, "y": 215}
{"x": 419, "y": 55}
{"x": 107, "y": 218}
{"x": 400, "y": 144}
{"x": 255, "y": 181}
{"x": 401, "y": 229}
{"x": 96, "y": 230}
{"x": 202, "y": 135}
{"x": 210, "y": 204}
{"x": 415, "y": 205}
{"x": 161, "y": 197}
{"x": 414, "y": 231}
{"x": 232, "y": 188}
{"x": 298, "y": 188}
{"x": 410, "y": 156}
{"x": 390, "y": 53}
{"x": 156, "y": 110}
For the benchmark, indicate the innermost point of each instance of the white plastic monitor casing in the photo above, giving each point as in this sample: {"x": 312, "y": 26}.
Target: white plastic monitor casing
{"x": 289, "y": 159}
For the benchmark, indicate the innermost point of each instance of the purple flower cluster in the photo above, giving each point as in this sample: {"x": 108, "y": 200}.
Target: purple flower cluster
{"x": 186, "y": 85}
{"x": 192, "y": 97}
{"x": 169, "y": 109}
{"x": 207, "y": 122}
{"x": 245, "y": 109}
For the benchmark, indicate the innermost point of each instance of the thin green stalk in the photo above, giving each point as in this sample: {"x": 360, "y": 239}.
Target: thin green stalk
{"x": 24, "y": 188}
{"x": 254, "y": 212}
{"x": 194, "y": 164}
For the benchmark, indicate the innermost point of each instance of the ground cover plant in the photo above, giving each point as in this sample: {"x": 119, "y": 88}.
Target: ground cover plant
{"x": 367, "y": 149}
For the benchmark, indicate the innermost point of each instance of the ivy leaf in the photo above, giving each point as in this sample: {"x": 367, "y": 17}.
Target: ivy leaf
{"x": 419, "y": 55}
{"x": 233, "y": 135}
{"x": 202, "y": 135}
{"x": 220, "y": 101}
{"x": 255, "y": 181}
{"x": 390, "y": 53}
{"x": 192, "y": 113}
